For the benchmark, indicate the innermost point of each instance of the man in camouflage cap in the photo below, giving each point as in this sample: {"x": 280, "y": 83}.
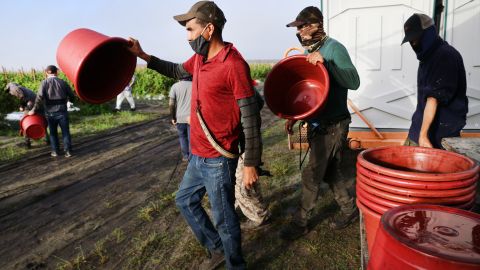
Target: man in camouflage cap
{"x": 327, "y": 131}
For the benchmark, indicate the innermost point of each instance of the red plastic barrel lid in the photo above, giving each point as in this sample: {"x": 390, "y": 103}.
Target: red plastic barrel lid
{"x": 438, "y": 231}
{"x": 418, "y": 163}
{"x": 296, "y": 89}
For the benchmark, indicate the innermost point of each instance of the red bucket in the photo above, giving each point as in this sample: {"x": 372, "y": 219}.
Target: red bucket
{"x": 425, "y": 193}
{"x": 427, "y": 237}
{"x": 100, "y": 67}
{"x": 33, "y": 126}
{"x": 416, "y": 184}
{"x": 418, "y": 163}
{"x": 365, "y": 200}
{"x": 382, "y": 204}
{"x": 411, "y": 199}
{"x": 371, "y": 219}
{"x": 296, "y": 89}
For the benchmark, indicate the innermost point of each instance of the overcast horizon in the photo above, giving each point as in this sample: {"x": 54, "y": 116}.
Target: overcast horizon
{"x": 32, "y": 29}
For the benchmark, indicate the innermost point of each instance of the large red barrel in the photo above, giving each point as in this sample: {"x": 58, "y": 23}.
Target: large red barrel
{"x": 427, "y": 237}
{"x": 418, "y": 163}
{"x": 394, "y": 176}
{"x": 371, "y": 219}
{"x": 100, "y": 67}
{"x": 296, "y": 89}
{"x": 424, "y": 185}
{"x": 33, "y": 126}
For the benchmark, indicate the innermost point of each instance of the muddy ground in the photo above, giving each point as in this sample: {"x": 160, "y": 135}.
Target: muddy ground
{"x": 111, "y": 206}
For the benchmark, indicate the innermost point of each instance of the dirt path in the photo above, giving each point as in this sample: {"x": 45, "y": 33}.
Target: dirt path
{"x": 92, "y": 210}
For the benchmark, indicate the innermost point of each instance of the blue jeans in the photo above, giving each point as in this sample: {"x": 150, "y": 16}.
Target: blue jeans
{"x": 59, "y": 119}
{"x": 216, "y": 176}
{"x": 184, "y": 138}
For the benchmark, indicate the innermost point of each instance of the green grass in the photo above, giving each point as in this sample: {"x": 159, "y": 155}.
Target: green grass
{"x": 86, "y": 125}
{"x": 158, "y": 238}
{"x": 81, "y": 123}
{"x": 11, "y": 152}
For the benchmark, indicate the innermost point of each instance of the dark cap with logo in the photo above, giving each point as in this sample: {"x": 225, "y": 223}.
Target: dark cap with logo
{"x": 415, "y": 25}
{"x": 206, "y": 11}
{"x": 306, "y": 16}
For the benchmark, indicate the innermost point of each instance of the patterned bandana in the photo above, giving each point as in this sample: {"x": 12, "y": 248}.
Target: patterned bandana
{"x": 312, "y": 36}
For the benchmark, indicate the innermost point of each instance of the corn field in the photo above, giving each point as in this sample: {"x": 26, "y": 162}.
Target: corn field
{"x": 147, "y": 83}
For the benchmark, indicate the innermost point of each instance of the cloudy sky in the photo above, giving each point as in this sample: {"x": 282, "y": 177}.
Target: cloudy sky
{"x": 31, "y": 30}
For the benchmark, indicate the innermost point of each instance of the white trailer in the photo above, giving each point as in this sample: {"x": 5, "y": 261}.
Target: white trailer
{"x": 372, "y": 31}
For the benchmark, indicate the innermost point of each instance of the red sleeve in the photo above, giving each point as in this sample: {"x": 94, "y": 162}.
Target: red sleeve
{"x": 240, "y": 80}
{"x": 189, "y": 65}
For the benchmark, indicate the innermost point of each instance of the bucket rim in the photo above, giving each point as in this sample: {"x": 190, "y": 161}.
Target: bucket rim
{"x": 424, "y": 176}
{"x": 311, "y": 112}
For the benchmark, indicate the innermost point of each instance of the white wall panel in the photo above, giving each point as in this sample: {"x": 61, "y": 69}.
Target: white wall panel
{"x": 372, "y": 31}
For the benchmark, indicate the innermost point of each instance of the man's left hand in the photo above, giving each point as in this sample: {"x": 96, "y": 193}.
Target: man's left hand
{"x": 31, "y": 112}
{"x": 424, "y": 142}
{"x": 250, "y": 176}
{"x": 315, "y": 57}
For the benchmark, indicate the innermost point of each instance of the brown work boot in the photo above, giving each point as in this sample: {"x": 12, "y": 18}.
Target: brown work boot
{"x": 342, "y": 221}
{"x": 215, "y": 259}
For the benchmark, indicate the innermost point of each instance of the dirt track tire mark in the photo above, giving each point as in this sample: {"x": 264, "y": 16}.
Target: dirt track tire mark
{"x": 101, "y": 188}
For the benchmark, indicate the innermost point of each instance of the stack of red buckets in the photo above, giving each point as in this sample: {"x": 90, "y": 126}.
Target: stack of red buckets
{"x": 392, "y": 176}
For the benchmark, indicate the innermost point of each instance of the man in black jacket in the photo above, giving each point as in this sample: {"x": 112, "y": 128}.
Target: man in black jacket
{"x": 442, "y": 104}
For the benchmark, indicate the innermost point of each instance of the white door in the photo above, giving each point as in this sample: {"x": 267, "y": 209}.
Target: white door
{"x": 462, "y": 30}
{"x": 372, "y": 31}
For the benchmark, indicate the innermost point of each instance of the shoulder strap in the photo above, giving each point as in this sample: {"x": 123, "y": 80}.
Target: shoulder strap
{"x": 212, "y": 141}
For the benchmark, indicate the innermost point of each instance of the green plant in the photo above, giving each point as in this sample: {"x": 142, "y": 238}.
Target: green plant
{"x": 150, "y": 83}
{"x": 259, "y": 71}
{"x": 119, "y": 235}
{"x": 100, "y": 251}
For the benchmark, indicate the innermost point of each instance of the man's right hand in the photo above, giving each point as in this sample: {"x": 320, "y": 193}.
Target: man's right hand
{"x": 137, "y": 50}
{"x": 174, "y": 122}
{"x": 315, "y": 57}
{"x": 289, "y": 126}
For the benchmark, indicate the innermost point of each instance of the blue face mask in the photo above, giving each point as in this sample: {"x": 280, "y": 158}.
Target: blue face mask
{"x": 200, "y": 45}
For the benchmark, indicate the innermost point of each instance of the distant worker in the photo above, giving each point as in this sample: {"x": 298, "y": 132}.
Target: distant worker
{"x": 126, "y": 94}
{"x": 27, "y": 99}
{"x": 442, "y": 103}
{"x": 54, "y": 93}
{"x": 179, "y": 105}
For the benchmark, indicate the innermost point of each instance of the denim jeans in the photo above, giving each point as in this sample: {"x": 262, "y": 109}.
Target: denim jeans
{"x": 184, "y": 138}
{"x": 216, "y": 177}
{"x": 54, "y": 120}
